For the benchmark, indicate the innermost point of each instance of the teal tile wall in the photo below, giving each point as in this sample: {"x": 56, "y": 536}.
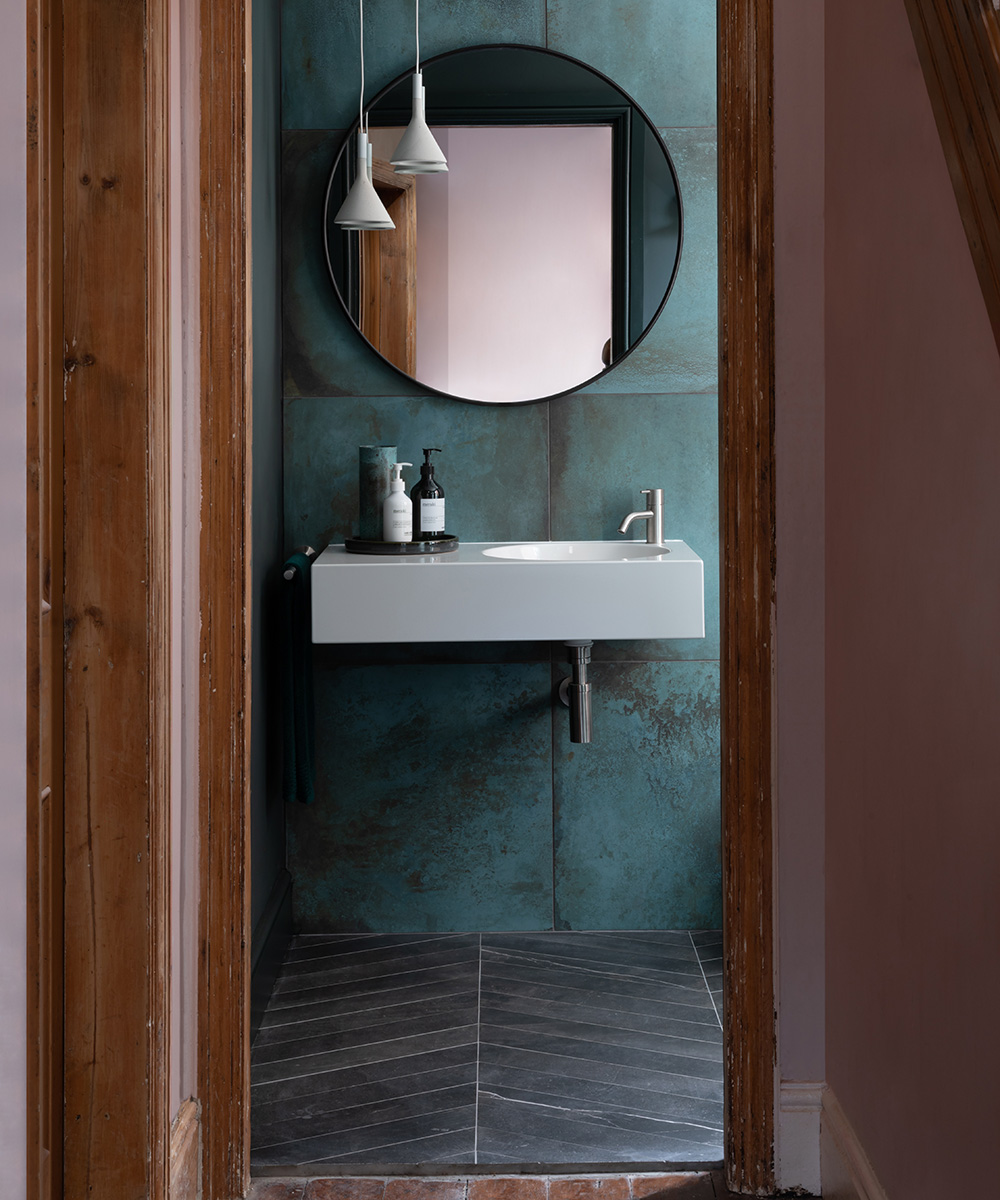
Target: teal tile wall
{"x": 433, "y": 805}
{"x": 448, "y": 793}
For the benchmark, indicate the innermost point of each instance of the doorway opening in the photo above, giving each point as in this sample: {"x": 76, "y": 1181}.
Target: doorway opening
{"x": 312, "y": 411}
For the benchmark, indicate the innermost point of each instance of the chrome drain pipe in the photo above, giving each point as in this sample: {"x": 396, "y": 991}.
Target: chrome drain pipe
{"x": 575, "y": 692}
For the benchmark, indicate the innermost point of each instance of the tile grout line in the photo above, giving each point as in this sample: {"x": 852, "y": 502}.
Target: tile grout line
{"x": 705, "y": 977}
{"x": 479, "y": 1042}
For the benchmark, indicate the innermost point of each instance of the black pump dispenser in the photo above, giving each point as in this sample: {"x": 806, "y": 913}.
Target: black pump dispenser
{"x": 428, "y": 500}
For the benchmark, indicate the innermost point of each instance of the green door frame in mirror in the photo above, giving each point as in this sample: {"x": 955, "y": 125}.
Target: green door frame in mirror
{"x": 633, "y": 138}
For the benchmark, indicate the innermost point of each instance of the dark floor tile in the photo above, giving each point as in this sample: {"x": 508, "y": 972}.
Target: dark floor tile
{"x": 596, "y": 1047}
{"x": 455, "y": 1148}
{"x": 526, "y": 983}
{"x": 332, "y": 1099}
{"x": 558, "y": 1064}
{"x": 422, "y": 1108}
{"x": 512, "y": 1083}
{"x": 352, "y": 1056}
{"x": 506, "y": 1146}
{"x": 510, "y": 1001}
{"x": 390, "y": 966}
{"x": 589, "y": 953}
{"x": 620, "y": 1138}
{"x": 278, "y": 1092}
{"x": 595, "y": 1051}
{"x": 347, "y": 949}
{"x": 378, "y": 1025}
{"x": 544, "y": 994}
{"x": 340, "y": 1011}
{"x": 383, "y": 1138}
{"x": 593, "y": 1034}
{"x": 497, "y": 968}
{"x": 385, "y": 989}
{"x": 706, "y": 937}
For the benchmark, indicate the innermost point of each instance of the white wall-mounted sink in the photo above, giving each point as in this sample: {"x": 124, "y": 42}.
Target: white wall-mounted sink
{"x": 576, "y": 551}
{"x": 511, "y": 591}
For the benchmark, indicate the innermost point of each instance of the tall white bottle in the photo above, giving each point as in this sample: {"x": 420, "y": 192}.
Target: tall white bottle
{"x": 397, "y": 510}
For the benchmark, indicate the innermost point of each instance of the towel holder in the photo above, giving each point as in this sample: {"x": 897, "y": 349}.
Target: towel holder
{"x": 308, "y": 551}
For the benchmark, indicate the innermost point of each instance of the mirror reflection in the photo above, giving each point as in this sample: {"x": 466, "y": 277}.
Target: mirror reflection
{"x": 543, "y": 254}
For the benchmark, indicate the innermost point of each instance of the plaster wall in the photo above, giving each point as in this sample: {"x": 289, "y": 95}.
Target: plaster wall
{"x": 913, "y": 641}
{"x": 528, "y": 289}
{"x": 13, "y": 350}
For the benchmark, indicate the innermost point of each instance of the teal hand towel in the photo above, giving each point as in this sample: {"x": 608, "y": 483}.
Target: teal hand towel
{"x": 297, "y": 718}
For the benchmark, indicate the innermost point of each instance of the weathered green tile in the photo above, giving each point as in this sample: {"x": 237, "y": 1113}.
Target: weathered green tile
{"x": 605, "y": 448}
{"x": 323, "y": 353}
{"x": 433, "y": 801}
{"x": 661, "y": 52}
{"x": 637, "y": 813}
{"x": 319, "y": 47}
{"x": 681, "y": 351}
{"x": 493, "y": 466}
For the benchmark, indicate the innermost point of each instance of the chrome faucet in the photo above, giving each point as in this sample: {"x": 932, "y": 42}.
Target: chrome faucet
{"x": 653, "y": 517}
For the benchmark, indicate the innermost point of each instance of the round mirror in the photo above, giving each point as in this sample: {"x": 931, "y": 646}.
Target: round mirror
{"x": 543, "y": 254}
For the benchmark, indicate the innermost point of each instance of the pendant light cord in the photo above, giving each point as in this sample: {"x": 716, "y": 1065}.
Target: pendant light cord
{"x": 418, "y": 36}
{"x": 361, "y": 101}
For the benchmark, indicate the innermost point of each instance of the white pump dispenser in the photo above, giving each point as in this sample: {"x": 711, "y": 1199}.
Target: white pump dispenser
{"x": 397, "y": 509}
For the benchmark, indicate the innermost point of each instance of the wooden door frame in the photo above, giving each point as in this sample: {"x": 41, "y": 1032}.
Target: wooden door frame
{"x": 97, "y": 598}
{"x": 747, "y": 507}
{"x": 746, "y": 311}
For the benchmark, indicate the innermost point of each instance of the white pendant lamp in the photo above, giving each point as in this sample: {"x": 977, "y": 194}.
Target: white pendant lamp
{"x": 418, "y": 153}
{"x": 362, "y": 208}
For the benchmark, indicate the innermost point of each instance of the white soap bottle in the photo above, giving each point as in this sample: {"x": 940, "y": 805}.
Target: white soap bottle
{"x": 397, "y": 510}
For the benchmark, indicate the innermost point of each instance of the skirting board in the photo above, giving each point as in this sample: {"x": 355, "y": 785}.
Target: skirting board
{"x": 269, "y": 947}
{"x": 847, "y": 1173}
{"x": 797, "y": 1136}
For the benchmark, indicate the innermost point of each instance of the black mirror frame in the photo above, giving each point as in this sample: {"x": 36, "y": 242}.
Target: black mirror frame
{"x": 622, "y": 119}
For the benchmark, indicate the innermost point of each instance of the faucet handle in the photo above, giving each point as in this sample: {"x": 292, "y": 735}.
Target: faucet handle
{"x": 654, "y": 529}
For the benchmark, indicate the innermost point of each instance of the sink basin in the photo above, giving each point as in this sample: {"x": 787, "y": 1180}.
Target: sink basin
{"x": 511, "y": 591}
{"x": 576, "y": 551}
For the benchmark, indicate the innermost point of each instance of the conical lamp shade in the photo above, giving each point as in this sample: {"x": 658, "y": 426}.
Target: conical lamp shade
{"x": 362, "y": 208}
{"x": 418, "y": 153}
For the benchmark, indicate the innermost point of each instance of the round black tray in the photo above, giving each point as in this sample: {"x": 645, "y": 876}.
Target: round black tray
{"x": 437, "y": 545}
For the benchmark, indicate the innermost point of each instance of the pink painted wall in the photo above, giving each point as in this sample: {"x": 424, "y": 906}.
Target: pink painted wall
{"x": 13, "y": 880}
{"x": 913, "y": 629}
{"x": 518, "y": 195}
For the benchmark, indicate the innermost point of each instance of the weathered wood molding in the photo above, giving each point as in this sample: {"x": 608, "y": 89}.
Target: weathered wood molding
{"x": 958, "y": 43}
{"x": 185, "y": 1152}
{"x": 114, "y": 397}
{"x": 224, "y": 695}
{"x": 746, "y": 406}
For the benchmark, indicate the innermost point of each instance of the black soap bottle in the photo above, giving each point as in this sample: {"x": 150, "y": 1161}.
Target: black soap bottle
{"x": 428, "y": 501}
